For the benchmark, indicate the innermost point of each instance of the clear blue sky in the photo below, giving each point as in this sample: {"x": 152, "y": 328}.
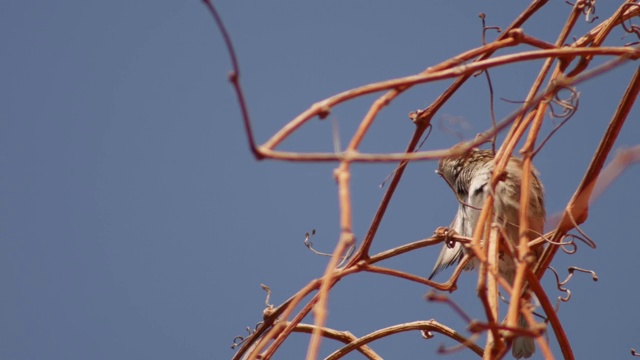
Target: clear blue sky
{"x": 136, "y": 224}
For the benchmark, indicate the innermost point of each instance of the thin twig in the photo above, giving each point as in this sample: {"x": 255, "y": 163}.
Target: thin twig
{"x": 426, "y": 326}
{"x": 234, "y": 77}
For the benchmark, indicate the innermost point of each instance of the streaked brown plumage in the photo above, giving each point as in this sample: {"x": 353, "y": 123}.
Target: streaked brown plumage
{"x": 469, "y": 177}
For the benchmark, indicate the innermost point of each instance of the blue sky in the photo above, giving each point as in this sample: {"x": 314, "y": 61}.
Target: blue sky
{"x": 136, "y": 224}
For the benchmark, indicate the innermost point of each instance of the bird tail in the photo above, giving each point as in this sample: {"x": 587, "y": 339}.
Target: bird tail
{"x": 448, "y": 256}
{"x": 523, "y": 346}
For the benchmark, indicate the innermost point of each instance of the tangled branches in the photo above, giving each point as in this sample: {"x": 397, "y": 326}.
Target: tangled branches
{"x": 564, "y": 67}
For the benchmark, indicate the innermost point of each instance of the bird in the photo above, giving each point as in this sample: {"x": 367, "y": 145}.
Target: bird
{"x": 469, "y": 176}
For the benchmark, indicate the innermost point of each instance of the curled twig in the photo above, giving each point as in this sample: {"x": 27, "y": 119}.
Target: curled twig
{"x": 309, "y": 245}
{"x": 461, "y": 68}
{"x": 631, "y": 28}
{"x": 588, "y": 242}
{"x": 569, "y": 107}
{"x": 565, "y": 245}
{"x": 569, "y": 247}
{"x": 573, "y": 269}
{"x": 239, "y": 340}
{"x": 589, "y": 11}
{"x": 585, "y": 238}
{"x": 486, "y": 28}
{"x": 588, "y": 8}
{"x": 560, "y": 284}
{"x": 269, "y": 308}
{"x": 268, "y": 290}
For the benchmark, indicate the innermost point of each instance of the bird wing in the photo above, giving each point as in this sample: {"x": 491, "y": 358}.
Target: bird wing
{"x": 465, "y": 221}
{"x": 451, "y": 255}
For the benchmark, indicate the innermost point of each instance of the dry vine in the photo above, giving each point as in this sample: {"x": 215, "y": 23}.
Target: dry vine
{"x": 565, "y": 66}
